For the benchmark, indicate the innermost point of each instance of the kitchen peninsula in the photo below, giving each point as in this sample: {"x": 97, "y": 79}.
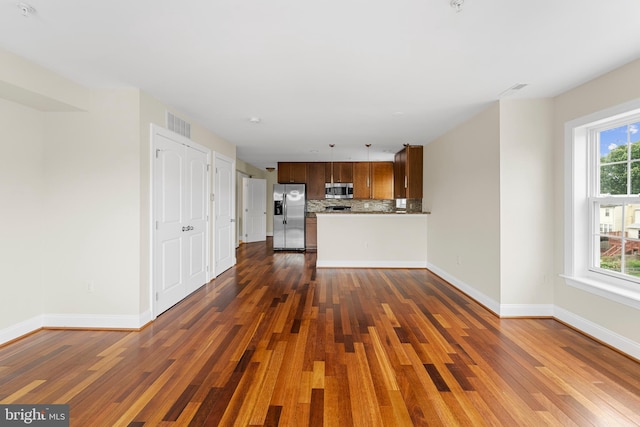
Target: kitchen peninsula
{"x": 372, "y": 240}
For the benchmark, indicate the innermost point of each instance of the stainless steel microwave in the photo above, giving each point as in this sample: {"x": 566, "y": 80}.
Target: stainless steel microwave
{"x": 338, "y": 190}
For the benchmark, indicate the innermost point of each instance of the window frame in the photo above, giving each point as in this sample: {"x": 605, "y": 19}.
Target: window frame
{"x": 597, "y": 199}
{"x": 580, "y": 206}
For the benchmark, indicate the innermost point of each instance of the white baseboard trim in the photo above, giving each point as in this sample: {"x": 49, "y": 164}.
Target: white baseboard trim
{"x": 81, "y": 321}
{"x": 20, "y": 329}
{"x": 613, "y": 339}
{"x": 483, "y": 299}
{"x": 502, "y": 310}
{"x": 526, "y": 310}
{"x": 97, "y": 321}
{"x": 146, "y": 317}
{"x": 598, "y": 332}
{"x": 369, "y": 264}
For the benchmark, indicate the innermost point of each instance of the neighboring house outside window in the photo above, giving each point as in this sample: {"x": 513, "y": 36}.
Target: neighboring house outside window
{"x": 602, "y": 210}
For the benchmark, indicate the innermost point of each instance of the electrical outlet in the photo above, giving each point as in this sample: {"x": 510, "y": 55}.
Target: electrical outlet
{"x": 458, "y": 260}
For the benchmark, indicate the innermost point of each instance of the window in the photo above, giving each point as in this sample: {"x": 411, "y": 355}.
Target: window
{"x": 602, "y": 203}
{"x": 614, "y": 163}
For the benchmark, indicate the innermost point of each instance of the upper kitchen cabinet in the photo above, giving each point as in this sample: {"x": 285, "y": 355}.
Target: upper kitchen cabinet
{"x": 373, "y": 180}
{"x": 292, "y": 172}
{"x": 362, "y": 180}
{"x": 315, "y": 180}
{"x": 382, "y": 180}
{"x": 342, "y": 172}
{"x": 407, "y": 172}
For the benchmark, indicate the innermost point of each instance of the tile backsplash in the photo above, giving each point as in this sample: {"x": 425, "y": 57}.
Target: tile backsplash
{"x": 413, "y": 205}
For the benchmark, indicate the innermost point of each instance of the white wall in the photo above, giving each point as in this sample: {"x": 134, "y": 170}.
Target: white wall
{"x": 75, "y": 185}
{"x": 462, "y": 192}
{"x": 526, "y": 202}
{"x": 21, "y": 213}
{"x": 92, "y": 209}
{"x": 26, "y": 83}
{"x": 524, "y": 141}
{"x": 489, "y": 187}
{"x": 598, "y": 316}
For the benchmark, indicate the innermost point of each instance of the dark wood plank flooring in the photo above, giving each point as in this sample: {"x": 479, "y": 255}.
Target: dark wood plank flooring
{"x": 273, "y": 341}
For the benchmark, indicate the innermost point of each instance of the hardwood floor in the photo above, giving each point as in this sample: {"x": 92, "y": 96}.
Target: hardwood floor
{"x": 273, "y": 341}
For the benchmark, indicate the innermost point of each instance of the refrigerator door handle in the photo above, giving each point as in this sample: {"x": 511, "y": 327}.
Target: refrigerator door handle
{"x": 284, "y": 208}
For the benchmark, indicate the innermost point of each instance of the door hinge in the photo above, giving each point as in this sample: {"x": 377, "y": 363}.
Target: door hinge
{"x": 208, "y": 167}
{"x": 212, "y": 197}
{"x": 157, "y": 296}
{"x": 157, "y": 152}
{"x": 156, "y": 225}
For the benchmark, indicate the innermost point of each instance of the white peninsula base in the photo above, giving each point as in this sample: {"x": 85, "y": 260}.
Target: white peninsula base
{"x": 372, "y": 240}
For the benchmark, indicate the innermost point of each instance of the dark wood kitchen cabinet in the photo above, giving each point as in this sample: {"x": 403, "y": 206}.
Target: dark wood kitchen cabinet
{"x": 342, "y": 172}
{"x": 292, "y": 172}
{"x": 407, "y": 172}
{"x": 382, "y": 180}
{"x": 373, "y": 180}
{"x": 311, "y": 233}
{"x": 362, "y": 180}
{"x": 315, "y": 180}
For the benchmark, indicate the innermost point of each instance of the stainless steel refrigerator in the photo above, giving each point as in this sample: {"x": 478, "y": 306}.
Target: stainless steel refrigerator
{"x": 289, "y": 210}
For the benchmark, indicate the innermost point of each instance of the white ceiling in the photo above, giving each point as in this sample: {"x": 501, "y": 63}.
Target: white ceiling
{"x": 343, "y": 72}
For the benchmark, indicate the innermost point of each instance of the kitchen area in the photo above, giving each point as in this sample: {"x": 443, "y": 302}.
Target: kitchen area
{"x": 356, "y": 214}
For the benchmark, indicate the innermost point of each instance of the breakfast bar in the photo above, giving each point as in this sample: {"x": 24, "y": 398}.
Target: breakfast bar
{"x": 372, "y": 240}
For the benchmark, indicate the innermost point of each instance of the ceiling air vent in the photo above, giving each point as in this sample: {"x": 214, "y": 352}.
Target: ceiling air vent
{"x": 177, "y": 125}
{"x": 513, "y": 89}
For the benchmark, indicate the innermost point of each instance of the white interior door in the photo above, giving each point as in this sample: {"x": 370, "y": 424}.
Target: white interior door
{"x": 225, "y": 254}
{"x": 180, "y": 217}
{"x": 196, "y": 206}
{"x": 255, "y": 209}
{"x": 168, "y": 194}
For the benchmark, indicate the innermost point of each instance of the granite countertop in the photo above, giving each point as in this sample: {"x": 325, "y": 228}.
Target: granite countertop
{"x": 313, "y": 214}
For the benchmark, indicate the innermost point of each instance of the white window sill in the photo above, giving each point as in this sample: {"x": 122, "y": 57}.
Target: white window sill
{"x": 610, "y": 291}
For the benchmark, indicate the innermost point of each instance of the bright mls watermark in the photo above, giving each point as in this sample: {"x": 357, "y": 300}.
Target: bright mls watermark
{"x": 34, "y": 415}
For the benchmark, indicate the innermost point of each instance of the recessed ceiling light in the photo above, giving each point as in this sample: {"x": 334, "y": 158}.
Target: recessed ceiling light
{"x": 26, "y": 9}
{"x": 456, "y": 4}
{"x": 398, "y": 113}
{"x": 313, "y": 151}
{"x": 255, "y": 120}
